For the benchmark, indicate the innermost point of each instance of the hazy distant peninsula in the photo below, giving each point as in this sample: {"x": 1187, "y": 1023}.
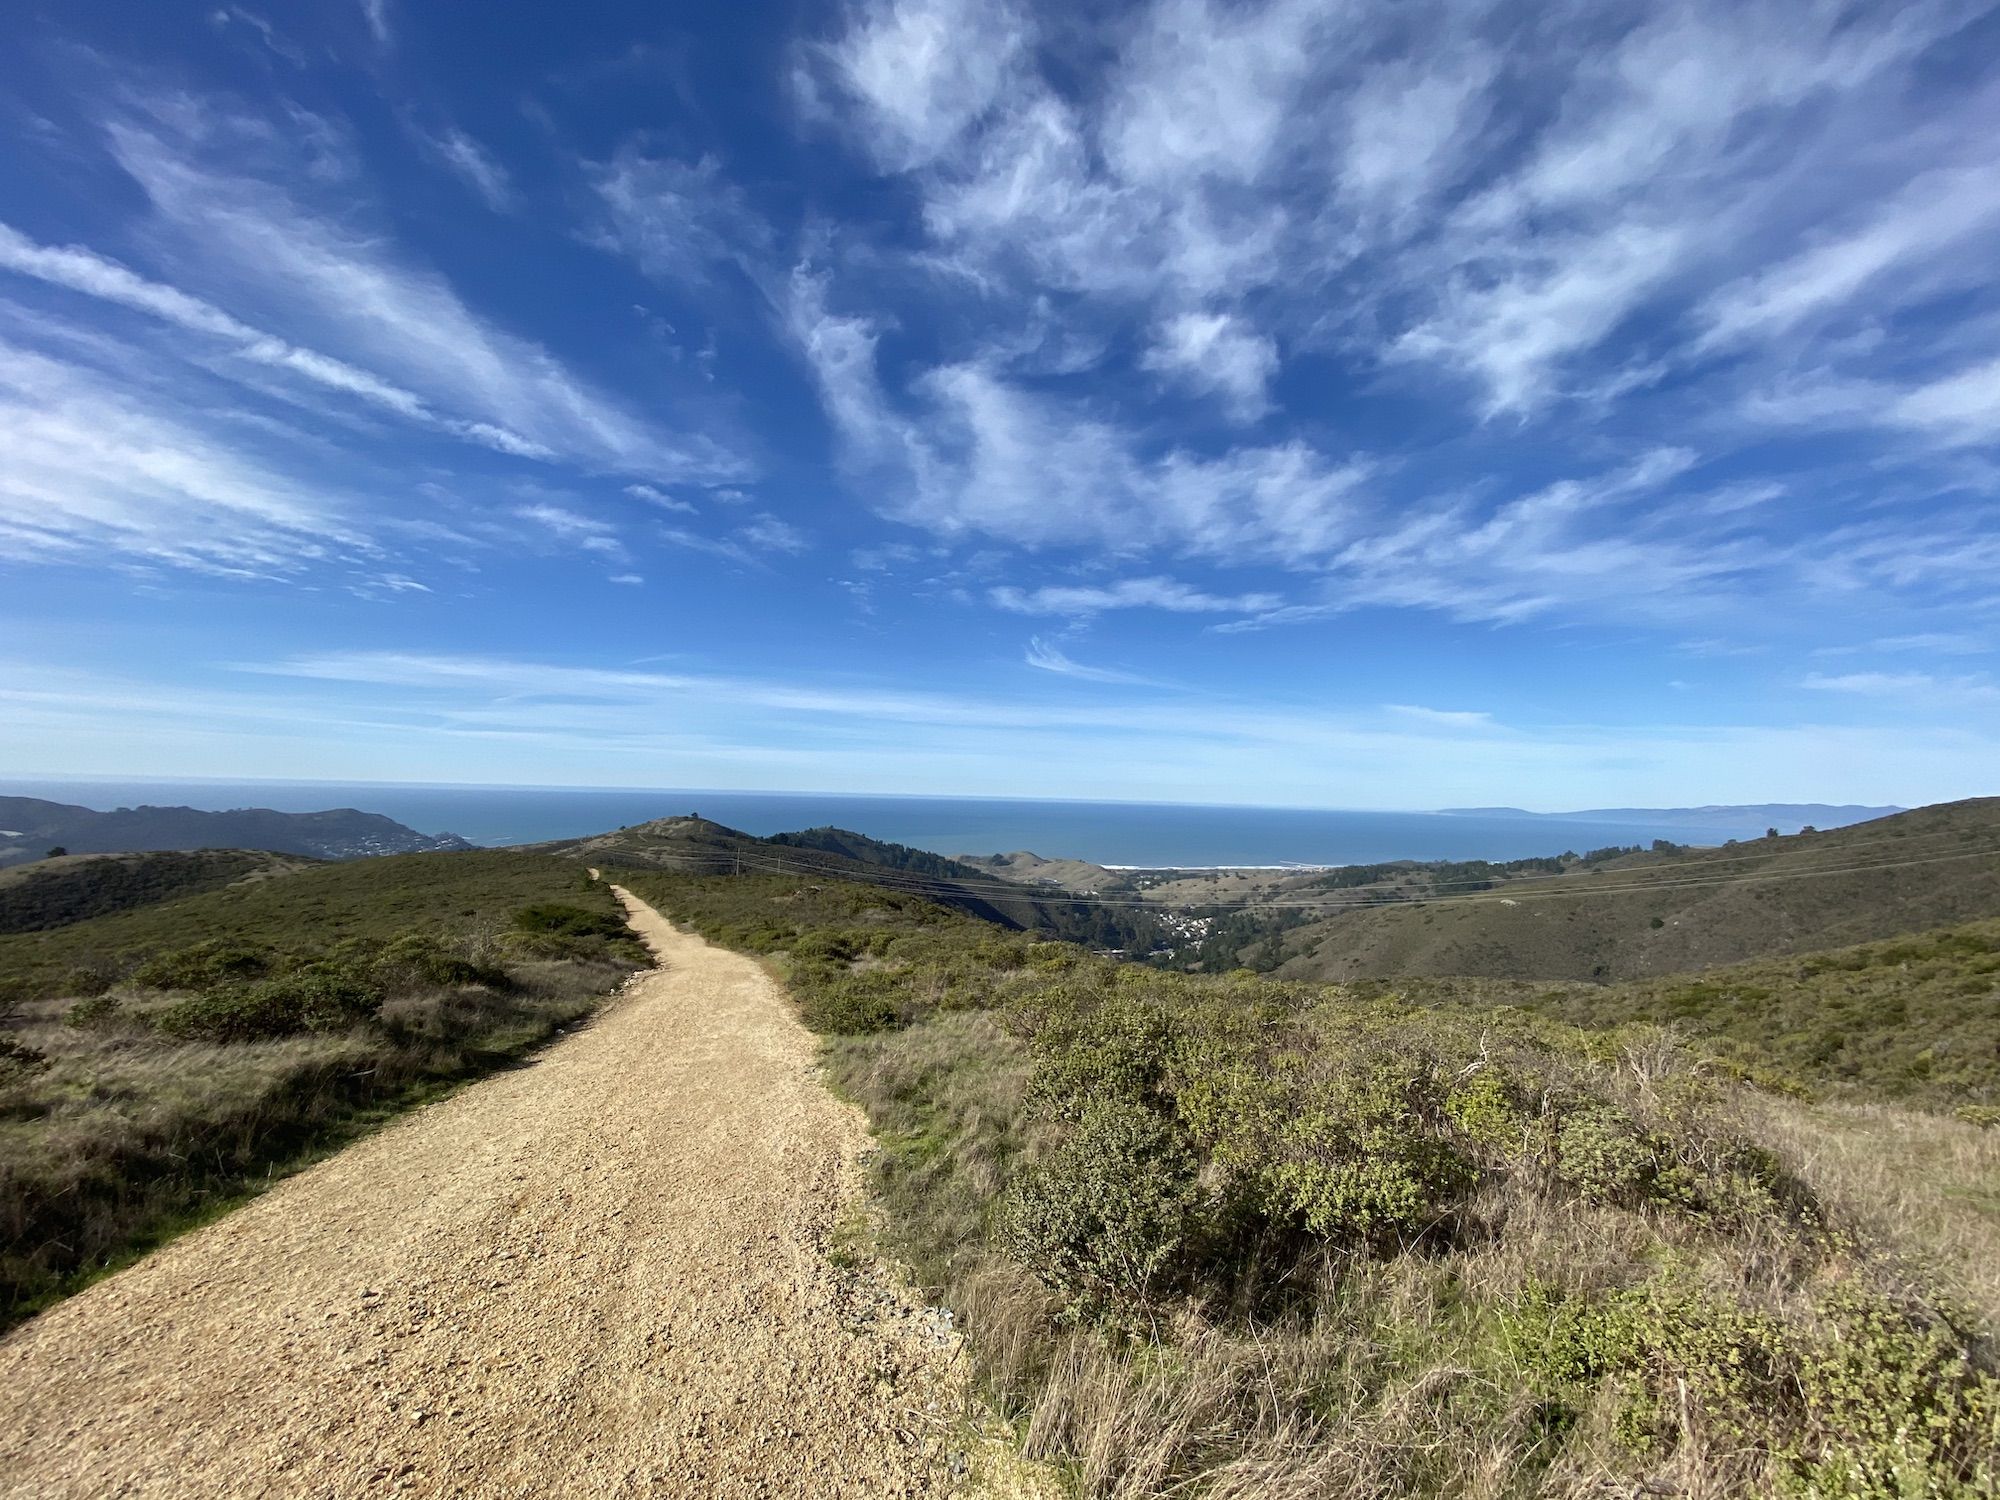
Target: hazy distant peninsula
{"x": 30, "y": 828}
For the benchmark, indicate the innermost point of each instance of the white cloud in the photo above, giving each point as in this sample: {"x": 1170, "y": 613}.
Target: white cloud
{"x": 769, "y": 534}
{"x": 572, "y": 528}
{"x": 376, "y": 14}
{"x": 1911, "y": 234}
{"x": 91, "y": 473}
{"x": 1601, "y": 545}
{"x": 1924, "y": 687}
{"x": 474, "y": 164}
{"x": 1216, "y": 352}
{"x": 676, "y": 219}
{"x": 1046, "y": 656}
{"x": 1205, "y": 90}
{"x": 1446, "y": 718}
{"x": 1317, "y": 159}
{"x": 1514, "y": 320}
{"x": 748, "y": 545}
{"x": 93, "y": 275}
{"x": 1409, "y": 126}
{"x": 660, "y": 498}
{"x": 1127, "y": 593}
{"x": 374, "y": 311}
{"x": 1963, "y": 407}
{"x": 1932, "y": 642}
{"x": 989, "y": 456}
{"x": 925, "y": 70}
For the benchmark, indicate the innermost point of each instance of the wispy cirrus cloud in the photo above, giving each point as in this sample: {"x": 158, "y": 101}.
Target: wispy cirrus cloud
{"x": 1923, "y": 687}
{"x": 572, "y": 528}
{"x": 81, "y": 270}
{"x": 678, "y": 220}
{"x": 1126, "y": 593}
{"x": 1564, "y": 220}
{"x": 1045, "y": 655}
{"x": 977, "y": 452}
{"x": 472, "y": 163}
{"x": 243, "y": 231}
{"x": 376, "y": 14}
{"x": 1448, "y": 718}
{"x": 92, "y": 474}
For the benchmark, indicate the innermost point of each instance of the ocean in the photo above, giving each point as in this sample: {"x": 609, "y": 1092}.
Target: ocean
{"x": 1109, "y": 833}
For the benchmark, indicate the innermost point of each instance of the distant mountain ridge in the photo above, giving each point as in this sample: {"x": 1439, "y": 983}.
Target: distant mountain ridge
{"x": 30, "y": 827}
{"x": 1737, "y": 820}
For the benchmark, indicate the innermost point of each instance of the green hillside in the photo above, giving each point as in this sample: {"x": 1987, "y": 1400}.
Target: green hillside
{"x": 1913, "y": 1018}
{"x": 73, "y": 888}
{"x": 1649, "y": 914}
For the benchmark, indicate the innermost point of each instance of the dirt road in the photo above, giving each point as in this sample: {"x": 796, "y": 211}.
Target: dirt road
{"x": 601, "y": 1274}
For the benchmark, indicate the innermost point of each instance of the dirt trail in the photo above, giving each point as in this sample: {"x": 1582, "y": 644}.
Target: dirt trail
{"x": 601, "y": 1274}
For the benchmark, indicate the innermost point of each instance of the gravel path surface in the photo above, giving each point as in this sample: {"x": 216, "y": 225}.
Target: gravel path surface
{"x": 604, "y": 1273}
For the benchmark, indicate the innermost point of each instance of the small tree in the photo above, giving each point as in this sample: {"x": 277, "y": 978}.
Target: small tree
{"x": 56, "y": 853}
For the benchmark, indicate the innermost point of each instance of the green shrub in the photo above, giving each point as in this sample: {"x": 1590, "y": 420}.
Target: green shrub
{"x": 1865, "y": 1400}
{"x": 1985, "y": 1116}
{"x": 1605, "y": 1157}
{"x": 1107, "y": 1217}
{"x": 84, "y": 980}
{"x": 17, "y": 1059}
{"x": 294, "y": 1003}
{"x": 1354, "y": 1146}
{"x": 94, "y": 1013}
{"x": 569, "y": 921}
{"x": 203, "y": 966}
{"x": 828, "y": 946}
{"x": 418, "y": 960}
{"x": 849, "y": 1004}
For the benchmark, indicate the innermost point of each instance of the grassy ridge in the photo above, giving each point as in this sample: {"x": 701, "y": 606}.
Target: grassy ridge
{"x": 1914, "y": 1018}
{"x": 75, "y": 888}
{"x": 1644, "y": 915}
{"x": 1260, "y": 1238}
{"x": 158, "y": 1063}
{"x": 467, "y": 892}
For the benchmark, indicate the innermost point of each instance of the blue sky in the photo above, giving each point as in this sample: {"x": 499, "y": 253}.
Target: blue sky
{"x": 1373, "y": 405}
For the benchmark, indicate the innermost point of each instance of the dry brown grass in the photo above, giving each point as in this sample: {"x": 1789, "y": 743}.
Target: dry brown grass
{"x": 1927, "y": 1184}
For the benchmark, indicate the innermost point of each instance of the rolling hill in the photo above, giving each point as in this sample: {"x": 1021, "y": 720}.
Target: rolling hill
{"x": 694, "y": 845}
{"x": 76, "y": 887}
{"x": 1647, "y": 914}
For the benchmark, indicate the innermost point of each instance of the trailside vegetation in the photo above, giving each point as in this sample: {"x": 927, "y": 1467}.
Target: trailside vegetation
{"x": 157, "y": 1064}
{"x": 1912, "y": 1019}
{"x": 1240, "y": 1237}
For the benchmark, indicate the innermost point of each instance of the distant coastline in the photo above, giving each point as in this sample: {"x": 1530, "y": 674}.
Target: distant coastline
{"x": 1130, "y": 834}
